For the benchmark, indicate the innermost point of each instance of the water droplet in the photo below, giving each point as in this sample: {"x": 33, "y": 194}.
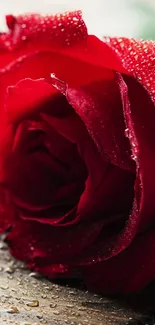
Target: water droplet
{"x": 73, "y": 293}
{"x": 9, "y": 270}
{"x": 82, "y": 308}
{"x": 40, "y": 316}
{"x": 8, "y": 258}
{"x": 56, "y": 312}
{"x": 70, "y": 306}
{"x": 134, "y": 157}
{"x": 44, "y": 296}
{"x": 47, "y": 288}
{"x": 10, "y": 277}
{"x": 34, "y": 275}
{"x": 127, "y": 132}
{"x": 58, "y": 84}
{"x": 53, "y": 305}
{"x": 13, "y": 289}
{"x": 13, "y": 310}
{"x": 4, "y": 286}
{"x": 33, "y": 303}
{"x": 54, "y": 297}
{"x": 3, "y": 246}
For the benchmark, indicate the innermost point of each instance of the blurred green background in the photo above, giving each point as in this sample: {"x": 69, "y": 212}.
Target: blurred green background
{"x": 147, "y": 10}
{"x": 131, "y": 18}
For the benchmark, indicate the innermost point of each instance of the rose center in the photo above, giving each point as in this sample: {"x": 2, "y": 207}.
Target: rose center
{"x": 47, "y": 170}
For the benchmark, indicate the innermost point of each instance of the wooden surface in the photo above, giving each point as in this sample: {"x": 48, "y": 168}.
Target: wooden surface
{"x": 21, "y": 291}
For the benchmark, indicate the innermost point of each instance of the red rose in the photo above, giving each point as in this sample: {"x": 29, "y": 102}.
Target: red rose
{"x": 77, "y": 152}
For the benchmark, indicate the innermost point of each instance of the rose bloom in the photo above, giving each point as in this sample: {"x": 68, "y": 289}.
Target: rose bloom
{"x": 77, "y": 152}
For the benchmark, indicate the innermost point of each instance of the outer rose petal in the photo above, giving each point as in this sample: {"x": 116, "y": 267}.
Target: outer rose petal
{"x": 122, "y": 55}
{"x": 131, "y": 276}
{"x": 63, "y": 33}
{"x": 140, "y": 125}
{"x": 138, "y": 57}
{"x": 99, "y": 106}
{"x": 127, "y": 272}
{"x": 60, "y": 29}
{"x": 40, "y": 64}
{"x": 64, "y": 29}
{"x": 7, "y": 211}
{"x": 24, "y": 57}
{"x": 82, "y": 63}
{"x": 42, "y": 244}
{"x": 139, "y": 114}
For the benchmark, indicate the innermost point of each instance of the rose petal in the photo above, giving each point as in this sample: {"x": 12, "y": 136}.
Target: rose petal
{"x": 137, "y": 57}
{"x": 40, "y": 243}
{"x": 32, "y": 32}
{"x": 94, "y": 105}
{"x": 20, "y": 174}
{"x": 127, "y": 272}
{"x": 140, "y": 116}
{"x": 15, "y": 112}
{"x": 26, "y": 98}
{"x": 65, "y": 29}
{"x": 54, "y": 166}
{"x": 7, "y": 211}
{"x": 99, "y": 106}
{"x": 141, "y": 137}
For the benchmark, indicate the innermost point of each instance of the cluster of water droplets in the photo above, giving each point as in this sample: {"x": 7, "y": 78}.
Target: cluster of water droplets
{"x": 137, "y": 56}
{"x": 134, "y": 149}
{"x": 63, "y": 29}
